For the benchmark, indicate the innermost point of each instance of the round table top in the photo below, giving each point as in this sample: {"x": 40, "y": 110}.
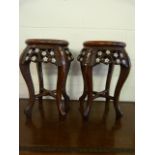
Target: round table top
{"x": 46, "y": 42}
{"x": 98, "y": 43}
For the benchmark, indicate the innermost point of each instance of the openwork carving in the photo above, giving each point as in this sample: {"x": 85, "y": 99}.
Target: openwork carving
{"x": 106, "y": 56}
{"x": 109, "y": 53}
{"x": 45, "y": 55}
{"x": 46, "y": 51}
{"x": 69, "y": 55}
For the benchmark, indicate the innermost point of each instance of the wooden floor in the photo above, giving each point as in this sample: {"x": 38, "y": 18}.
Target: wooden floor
{"x": 46, "y": 134}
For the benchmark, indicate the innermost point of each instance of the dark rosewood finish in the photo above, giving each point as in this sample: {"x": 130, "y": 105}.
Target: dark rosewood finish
{"x": 109, "y": 53}
{"x": 46, "y": 51}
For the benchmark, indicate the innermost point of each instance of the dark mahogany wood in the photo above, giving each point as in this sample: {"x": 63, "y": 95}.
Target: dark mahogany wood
{"x": 103, "y": 43}
{"x": 106, "y": 52}
{"x": 41, "y": 82}
{"x": 46, "y": 51}
{"x": 47, "y": 42}
{"x": 107, "y": 87}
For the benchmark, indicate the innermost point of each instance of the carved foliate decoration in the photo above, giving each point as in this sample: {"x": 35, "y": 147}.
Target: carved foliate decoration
{"x": 106, "y": 56}
{"x": 46, "y": 55}
{"x": 69, "y": 55}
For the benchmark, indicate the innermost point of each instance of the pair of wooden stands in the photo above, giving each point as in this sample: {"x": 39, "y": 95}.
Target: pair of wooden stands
{"x": 57, "y": 52}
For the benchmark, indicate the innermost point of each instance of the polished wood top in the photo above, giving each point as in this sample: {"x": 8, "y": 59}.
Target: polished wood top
{"x": 46, "y": 42}
{"x": 98, "y": 43}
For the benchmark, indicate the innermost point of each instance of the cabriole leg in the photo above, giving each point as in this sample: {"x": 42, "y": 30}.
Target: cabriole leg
{"x": 108, "y": 82}
{"x": 89, "y": 83}
{"x": 62, "y": 75}
{"x": 25, "y": 70}
{"x": 122, "y": 78}
{"x": 82, "y": 98}
{"x": 66, "y": 97}
{"x": 40, "y": 78}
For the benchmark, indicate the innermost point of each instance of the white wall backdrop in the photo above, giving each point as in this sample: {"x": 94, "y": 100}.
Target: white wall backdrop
{"x": 78, "y": 21}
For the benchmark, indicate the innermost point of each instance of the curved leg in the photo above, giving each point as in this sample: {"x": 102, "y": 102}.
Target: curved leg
{"x": 122, "y": 78}
{"x": 89, "y": 83}
{"x": 81, "y": 99}
{"x": 66, "y": 97}
{"x": 62, "y": 74}
{"x": 25, "y": 70}
{"x": 108, "y": 82}
{"x": 40, "y": 78}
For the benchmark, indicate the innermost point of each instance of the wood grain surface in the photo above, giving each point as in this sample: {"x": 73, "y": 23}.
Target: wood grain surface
{"x": 46, "y": 134}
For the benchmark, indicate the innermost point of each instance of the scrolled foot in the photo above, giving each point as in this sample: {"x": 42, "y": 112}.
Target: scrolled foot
{"x": 62, "y": 116}
{"x": 81, "y": 103}
{"x": 62, "y": 112}
{"x": 67, "y": 105}
{"x": 85, "y": 114}
{"x": 119, "y": 114}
